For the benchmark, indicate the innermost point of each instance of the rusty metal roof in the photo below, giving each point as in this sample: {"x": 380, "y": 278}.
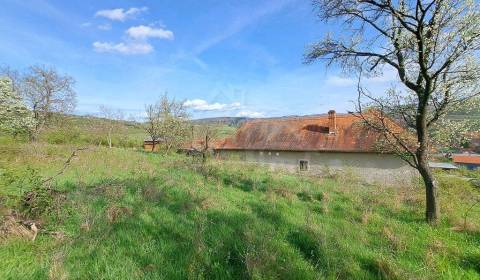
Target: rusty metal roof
{"x": 302, "y": 134}
{"x": 466, "y": 158}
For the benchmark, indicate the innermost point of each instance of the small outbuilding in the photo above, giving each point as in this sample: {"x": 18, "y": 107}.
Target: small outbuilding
{"x": 149, "y": 145}
{"x": 442, "y": 165}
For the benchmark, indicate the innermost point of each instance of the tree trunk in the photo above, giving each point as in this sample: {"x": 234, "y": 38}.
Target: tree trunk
{"x": 109, "y": 138}
{"x": 32, "y": 136}
{"x": 432, "y": 213}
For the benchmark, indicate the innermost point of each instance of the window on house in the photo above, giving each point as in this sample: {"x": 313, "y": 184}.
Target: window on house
{"x": 303, "y": 165}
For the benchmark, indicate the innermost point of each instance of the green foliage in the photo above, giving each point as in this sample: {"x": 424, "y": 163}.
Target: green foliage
{"x": 16, "y": 181}
{"x": 37, "y": 202}
{"x": 87, "y": 131}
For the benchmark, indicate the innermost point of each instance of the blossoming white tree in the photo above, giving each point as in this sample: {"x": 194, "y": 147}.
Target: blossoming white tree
{"x": 433, "y": 47}
{"x": 167, "y": 120}
{"x": 48, "y": 93}
{"x": 15, "y": 118}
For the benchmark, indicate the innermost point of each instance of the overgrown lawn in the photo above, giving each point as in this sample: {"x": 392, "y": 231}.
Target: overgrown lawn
{"x": 126, "y": 214}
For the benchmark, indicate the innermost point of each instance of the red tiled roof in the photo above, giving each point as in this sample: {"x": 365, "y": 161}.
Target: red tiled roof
{"x": 302, "y": 134}
{"x": 460, "y": 158}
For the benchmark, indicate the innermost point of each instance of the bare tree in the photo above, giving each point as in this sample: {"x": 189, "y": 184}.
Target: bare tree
{"x": 432, "y": 45}
{"x": 205, "y": 133}
{"x": 47, "y": 92}
{"x": 13, "y": 75}
{"x": 167, "y": 120}
{"x": 112, "y": 122}
{"x": 153, "y": 123}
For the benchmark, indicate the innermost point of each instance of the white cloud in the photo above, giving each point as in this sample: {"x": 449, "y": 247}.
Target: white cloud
{"x": 145, "y": 32}
{"x": 122, "y": 48}
{"x": 340, "y": 81}
{"x": 250, "y": 114}
{"x": 106, "y": 26}
{"x": 202, "y": 105}
{"x": 387, "y": 76}
{"x": 120, "y": 14}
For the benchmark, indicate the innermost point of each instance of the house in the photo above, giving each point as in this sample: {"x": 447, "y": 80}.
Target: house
{"x": 470, "y": 161}
{"x": 315, "y": 145}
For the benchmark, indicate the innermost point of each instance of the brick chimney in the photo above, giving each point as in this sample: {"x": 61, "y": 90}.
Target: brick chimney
{"x": 332, "y": 121}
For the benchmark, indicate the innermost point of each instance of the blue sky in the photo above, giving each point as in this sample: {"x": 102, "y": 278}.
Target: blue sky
{"x": 224, "y": 58}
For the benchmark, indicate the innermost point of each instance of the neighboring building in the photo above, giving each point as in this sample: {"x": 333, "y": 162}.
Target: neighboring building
{"x": 314, "y": 145}
{"x": 442, "y": 165}
{"x": 148, "y": 144}
{"x": 470, "y": 161}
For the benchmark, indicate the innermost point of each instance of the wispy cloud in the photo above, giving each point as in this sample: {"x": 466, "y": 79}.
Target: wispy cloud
{"x": 241, "y": 22}
{"x": 202, "y": 105}
{"x": 106, "y": 26}
{"x": 120, "y": 14}
{"x": 123, "y": 48}
{"x": 340, "y": 81}
{"x": 387, "y": 76}
{"x": 145, "y": 32}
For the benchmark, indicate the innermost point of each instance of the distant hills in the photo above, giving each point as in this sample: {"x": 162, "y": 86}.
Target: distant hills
{"x": 230, "y": 121}
{"x": 237, "y": 121}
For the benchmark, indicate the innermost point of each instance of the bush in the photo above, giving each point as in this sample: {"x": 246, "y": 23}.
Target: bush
{"x": 37, "y": 202}
{"x": 14, "y": 182}
{"x": 62, "y": 136}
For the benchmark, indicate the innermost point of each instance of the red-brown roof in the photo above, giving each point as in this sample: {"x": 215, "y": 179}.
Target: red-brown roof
{"x": 461, "y": 158}
{"x": 302, "y": 134}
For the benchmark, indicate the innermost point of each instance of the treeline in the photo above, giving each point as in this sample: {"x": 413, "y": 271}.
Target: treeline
{"x": 37, "y": 105}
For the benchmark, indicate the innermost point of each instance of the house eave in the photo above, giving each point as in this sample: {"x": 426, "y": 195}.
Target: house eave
{"x": 304, "y": 150}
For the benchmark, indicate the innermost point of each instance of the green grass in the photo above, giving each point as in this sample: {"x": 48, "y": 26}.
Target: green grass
{"x": 127, "y": 214}
{"x": 81, "y": 130}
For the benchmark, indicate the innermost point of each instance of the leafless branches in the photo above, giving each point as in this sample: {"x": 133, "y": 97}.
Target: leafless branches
{"x": 66, "y": 164}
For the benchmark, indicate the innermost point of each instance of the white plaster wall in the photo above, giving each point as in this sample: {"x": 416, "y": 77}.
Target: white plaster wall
{"x": 373, "y": 168}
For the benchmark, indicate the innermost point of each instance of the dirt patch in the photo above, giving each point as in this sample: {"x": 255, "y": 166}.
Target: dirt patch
{"x": 110, "y": 191}
{"x": 115, "y": 213}
{"x": 56, "y": 271}
{"x": 14, "y": 227}
{"x": 152, "y": 193}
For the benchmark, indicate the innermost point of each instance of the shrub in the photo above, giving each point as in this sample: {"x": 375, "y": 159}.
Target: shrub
{"x": 37, "y": 202}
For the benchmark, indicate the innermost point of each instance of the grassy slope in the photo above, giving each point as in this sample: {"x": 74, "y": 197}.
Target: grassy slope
{"x": 92, "y": 130}
{"x": 129, "y": 215}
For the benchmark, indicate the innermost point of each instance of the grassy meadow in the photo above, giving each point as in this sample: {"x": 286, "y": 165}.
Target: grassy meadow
{"x": 125, "y": 214}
